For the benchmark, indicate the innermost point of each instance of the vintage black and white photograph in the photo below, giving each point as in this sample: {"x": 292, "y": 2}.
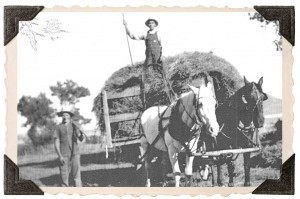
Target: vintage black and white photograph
{"x": 149, "y": 99}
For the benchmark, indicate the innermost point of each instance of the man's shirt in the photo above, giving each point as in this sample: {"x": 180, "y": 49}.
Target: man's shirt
{"x": 67, "y": 139}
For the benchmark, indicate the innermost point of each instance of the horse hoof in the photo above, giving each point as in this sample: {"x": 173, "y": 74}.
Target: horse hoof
{"x": 247, "y": 184}
{"x": 220, "y": 184}
{"x": 230, "y": 184}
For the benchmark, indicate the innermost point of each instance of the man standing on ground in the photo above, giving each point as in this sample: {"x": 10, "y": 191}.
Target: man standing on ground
{"x": 66, "y": 138}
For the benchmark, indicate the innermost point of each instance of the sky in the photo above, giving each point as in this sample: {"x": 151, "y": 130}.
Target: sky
{"x": 93, "y": 45}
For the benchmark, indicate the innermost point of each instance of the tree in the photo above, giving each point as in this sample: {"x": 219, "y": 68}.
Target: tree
{"x": 39, "y": 116}
{"x": 69, "y": 93}
{"x": 264, "y": 23}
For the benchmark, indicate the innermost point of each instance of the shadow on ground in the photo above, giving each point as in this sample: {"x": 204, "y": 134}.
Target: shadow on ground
{"x": 46, "y": 164}
{"x": 125, "y": 177}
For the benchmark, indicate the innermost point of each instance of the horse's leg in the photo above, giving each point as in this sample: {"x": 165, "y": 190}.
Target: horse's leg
{"x": 219, "y": 175}
{"x": 189, "y": 161}
{"x": 247, "y": 169}
{"x": 188, "y": 170}
{"x": 143, "y": 149}
{"x": 230, "y": 168}
{"x": 212, "y": 176}
{"x": 173, "y": 155}
{"x": 165, "y": 165}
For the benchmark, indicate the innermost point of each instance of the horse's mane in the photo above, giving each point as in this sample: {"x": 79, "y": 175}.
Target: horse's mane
{"x": 229, "y": 108}
{"x": 177, "y": 128}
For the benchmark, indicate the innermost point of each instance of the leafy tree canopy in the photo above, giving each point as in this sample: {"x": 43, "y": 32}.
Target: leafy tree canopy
{"x": 69, "y": 92}
{"x": 37, "y": 110}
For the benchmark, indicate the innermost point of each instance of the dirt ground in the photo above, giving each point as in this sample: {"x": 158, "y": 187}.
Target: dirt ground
{"x": 97, "y": 171}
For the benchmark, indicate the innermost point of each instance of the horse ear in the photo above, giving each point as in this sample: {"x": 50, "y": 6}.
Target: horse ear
{"x": 246, "y": 81}
{"x": 194, "y": 89}
{"x": 260, "y": 81}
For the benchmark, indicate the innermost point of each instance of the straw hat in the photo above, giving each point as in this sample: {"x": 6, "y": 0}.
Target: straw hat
{"x": 66, "y": 109}
{"x": 146, "y": 22}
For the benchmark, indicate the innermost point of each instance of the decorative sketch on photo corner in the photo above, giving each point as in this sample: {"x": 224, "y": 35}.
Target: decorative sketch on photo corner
{"x": 264, "y": 24}
{"x": 34, "y": 30}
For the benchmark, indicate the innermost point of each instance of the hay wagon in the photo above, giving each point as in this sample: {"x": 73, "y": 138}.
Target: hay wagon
{"x": 182, "y": 69}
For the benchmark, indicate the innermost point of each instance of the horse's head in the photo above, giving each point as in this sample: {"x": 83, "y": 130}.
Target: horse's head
{"x": 252, "y": 98}
{"x": 205, "y": 104}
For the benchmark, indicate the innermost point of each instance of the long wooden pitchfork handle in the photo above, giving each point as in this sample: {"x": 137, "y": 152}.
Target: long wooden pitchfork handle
{"x": 127, "y": 41}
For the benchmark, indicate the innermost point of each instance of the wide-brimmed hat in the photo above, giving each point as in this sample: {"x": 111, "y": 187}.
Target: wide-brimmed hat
{"x": 66, "y": 109}
{"x": 146, "y": 22}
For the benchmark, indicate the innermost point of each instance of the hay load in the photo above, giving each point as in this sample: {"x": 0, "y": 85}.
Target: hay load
{"x": 182, "y": 69}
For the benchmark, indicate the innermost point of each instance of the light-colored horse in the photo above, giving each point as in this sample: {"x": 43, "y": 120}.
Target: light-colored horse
{"x": 192, "y": 108}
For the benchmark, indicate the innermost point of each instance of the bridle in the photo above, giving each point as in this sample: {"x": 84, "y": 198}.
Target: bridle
{"x": 196, "y": 105}
{"x": 246, "y": 129}
{"x": 256, "y": 103}
{"x": 196, "y": 121}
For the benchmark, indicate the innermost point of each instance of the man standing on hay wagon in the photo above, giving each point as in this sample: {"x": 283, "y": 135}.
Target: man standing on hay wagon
{"x": 66, "y": 137}
{"x": 152, "y": 41}
{"x": 153, "y": 52}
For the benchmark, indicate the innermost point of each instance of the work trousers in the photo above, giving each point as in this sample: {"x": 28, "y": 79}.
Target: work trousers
{"x": 71, "y": 167}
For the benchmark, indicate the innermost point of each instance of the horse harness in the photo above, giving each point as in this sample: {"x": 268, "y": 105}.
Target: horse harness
{"x": 192, "y": 131}
{"x": 162, "y": 130}
{"x": 245, "y": 130}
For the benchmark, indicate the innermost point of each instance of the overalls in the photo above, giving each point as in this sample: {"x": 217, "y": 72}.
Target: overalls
{"x": 153, "y": 49}
{"x": 153, "y": 55}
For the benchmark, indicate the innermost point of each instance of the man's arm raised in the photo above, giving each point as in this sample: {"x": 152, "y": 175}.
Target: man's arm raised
{"x": 132, "y": 36}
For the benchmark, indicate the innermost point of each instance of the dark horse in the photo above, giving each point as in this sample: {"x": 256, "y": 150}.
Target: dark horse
{"x": 240, "y": 117}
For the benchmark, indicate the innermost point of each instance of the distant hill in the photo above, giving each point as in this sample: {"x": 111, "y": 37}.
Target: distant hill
{"x": 272, "y": 105}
